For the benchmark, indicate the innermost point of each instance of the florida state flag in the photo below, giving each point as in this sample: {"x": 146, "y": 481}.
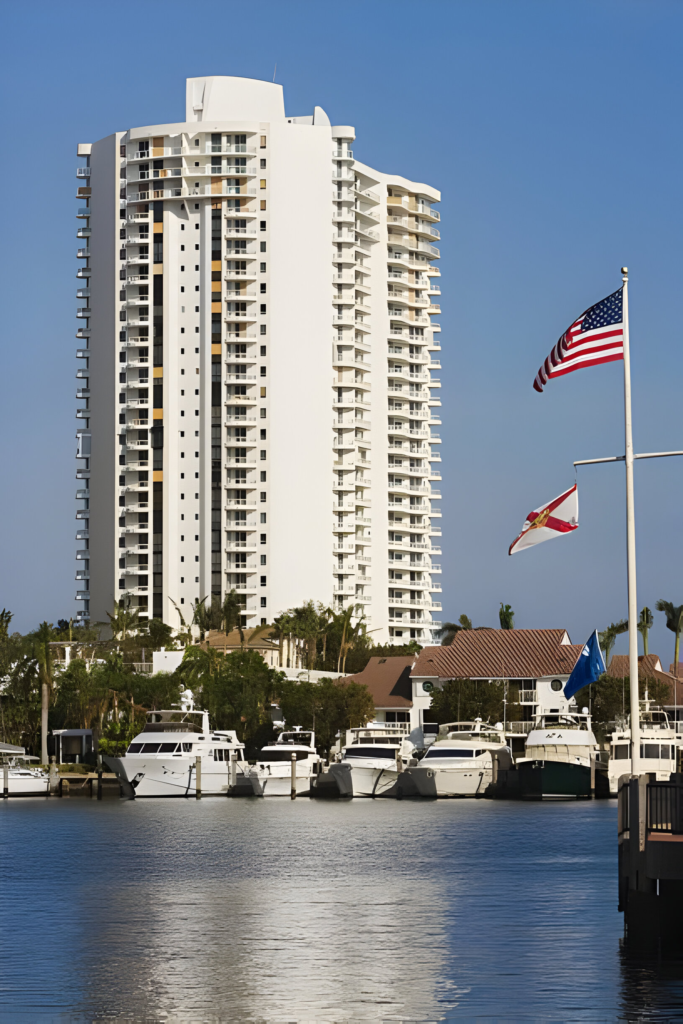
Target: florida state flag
{"x": 554, "y": 519}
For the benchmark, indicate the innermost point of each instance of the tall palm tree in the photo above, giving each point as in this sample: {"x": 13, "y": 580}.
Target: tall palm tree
{"x": 231, "y": 615}
{"x": 506, "y": 616}
{"x": 674, "y": 622}
{"x": 608, "y": 637}
{"x": 43, "y": 655}
{"x": 645, "y": 623}
{"x": 448, "y": 630}
{"x": 123, "y": 620}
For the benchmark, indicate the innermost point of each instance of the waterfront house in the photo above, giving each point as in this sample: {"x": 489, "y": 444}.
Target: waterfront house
{"x": 538, "y": 661}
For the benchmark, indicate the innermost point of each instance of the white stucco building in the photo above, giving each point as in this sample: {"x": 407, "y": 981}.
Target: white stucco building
{"x": 256, "y": 352}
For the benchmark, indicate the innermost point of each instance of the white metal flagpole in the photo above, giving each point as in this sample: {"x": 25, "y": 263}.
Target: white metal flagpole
{"x": 631, "y": 544}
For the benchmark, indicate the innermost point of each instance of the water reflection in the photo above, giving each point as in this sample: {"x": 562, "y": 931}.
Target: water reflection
{"x": 272, "y": 911}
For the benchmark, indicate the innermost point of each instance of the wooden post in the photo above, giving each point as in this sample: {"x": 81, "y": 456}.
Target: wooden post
{"x": 5, "y": 781}
{"x": 233, "y": 770}
{"x": 293, "y": 777}
{"x": 198, "y": 777}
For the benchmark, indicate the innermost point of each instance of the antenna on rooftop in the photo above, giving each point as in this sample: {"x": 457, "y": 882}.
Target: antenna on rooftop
{"x": 274, "y": 70}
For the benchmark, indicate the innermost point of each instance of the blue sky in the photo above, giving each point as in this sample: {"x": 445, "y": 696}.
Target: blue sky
{"x": 553, "y": 131}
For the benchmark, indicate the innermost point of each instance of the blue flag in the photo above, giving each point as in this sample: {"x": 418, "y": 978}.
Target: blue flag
{"x": 589, "y": 667}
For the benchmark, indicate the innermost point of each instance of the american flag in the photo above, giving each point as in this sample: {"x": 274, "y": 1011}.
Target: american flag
{"x": 596, "y": 337}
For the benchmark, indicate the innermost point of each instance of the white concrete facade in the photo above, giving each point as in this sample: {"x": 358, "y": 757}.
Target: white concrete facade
{"x": 257, "y": 346}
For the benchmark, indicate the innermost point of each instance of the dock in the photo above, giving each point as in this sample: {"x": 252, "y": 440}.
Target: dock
{"x": 650, "y": 834}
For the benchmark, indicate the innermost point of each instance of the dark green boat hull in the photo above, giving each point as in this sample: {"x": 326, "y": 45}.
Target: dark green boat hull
{"x": 558, "y": 780}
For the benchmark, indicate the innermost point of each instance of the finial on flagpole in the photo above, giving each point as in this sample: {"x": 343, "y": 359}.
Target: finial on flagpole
{"x": 624, "y": 271}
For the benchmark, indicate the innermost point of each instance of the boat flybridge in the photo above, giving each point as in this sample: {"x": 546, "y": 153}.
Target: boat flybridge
{"x": 660, "y": 740}
{"x": 175, "y": 747}
{"x": 461, "y": 761}
{"x": 378, "y": 755}
{"x": 274, "y": 763}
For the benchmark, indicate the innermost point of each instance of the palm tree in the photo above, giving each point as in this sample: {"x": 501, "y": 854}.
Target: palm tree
{"x": 352, "y": 632}
{"x": 674, "y": 622}
{"x": 645, "y": 623}
{"x": 448, "y": 630}
{"x": 123, "y": 621}
{"x": 506, "y": 616}
{"x": 231, "y": 615}
{"x": 608, "y": 637}
{"x": 43, "y": 656}
{"x": 185, "y": 635}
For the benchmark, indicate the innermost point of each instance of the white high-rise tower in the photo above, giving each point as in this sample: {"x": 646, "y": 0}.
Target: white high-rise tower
{"x": 256, "y": 368}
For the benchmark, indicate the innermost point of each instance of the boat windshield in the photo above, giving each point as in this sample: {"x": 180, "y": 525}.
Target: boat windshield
{"x": 159, "y": 748}
{"x": 382, "y": 752}
{"x": 278, "y": 754}
{"x": 451, "y": 752}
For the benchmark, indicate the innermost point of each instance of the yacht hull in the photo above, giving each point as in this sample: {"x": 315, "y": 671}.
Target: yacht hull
{"x": 281, "y": 785}
{"x": 28, "y": 785}
{"x": 445, "y": 783}
{"x": 553, "y": 780}
{"x": 371, "y": 782}
{"x": 172, "y": 777}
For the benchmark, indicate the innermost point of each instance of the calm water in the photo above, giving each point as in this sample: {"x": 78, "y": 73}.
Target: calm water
{"x": 233, "y": 910}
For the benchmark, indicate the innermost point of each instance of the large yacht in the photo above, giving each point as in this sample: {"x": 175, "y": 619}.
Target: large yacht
{"x": 560, "y": 755}
{"x": 378, "y": 756}
{"x": 274, "y": 763}
{"x": 660, "y": 741}
{"x": 461, "y": 761}
{"x": 174, "y": 748}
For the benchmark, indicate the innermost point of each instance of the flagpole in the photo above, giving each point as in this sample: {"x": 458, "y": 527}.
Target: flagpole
{"x": 631, "y": 543}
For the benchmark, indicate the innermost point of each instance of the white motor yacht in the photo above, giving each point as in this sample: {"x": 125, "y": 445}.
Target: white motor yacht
{"x": 274, "y": 763}
{"x": 174, "y": 748}
{"x": 461, "y": 761}
{"x": 24, "y": 779}
{"x": 660, "y": 742}
{"x": 378, "y": 756}
{"x": 560, "y": 754}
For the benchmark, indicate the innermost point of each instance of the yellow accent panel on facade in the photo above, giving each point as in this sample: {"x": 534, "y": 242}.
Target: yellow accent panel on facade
{"x": 215, "y": 350}
{"x": 158, "y": 414}
{"x": 263, "y": 182}
{"x": 157, "y": 475}
{"x": 158, "y": 146}
{"x": 158, "y": 268}
{"x": 158, "y": 227}
{"x": 263, "y": 392}
{"x": 217, "y": 206}
{"x": 216, "y": 265}
{"x": 216, "y": 307}
{"x": 158, "y": 371}
{"x": 216, "y": 185}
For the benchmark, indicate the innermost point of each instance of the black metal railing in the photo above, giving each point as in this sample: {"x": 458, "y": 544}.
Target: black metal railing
{"x": 665, "y": 807}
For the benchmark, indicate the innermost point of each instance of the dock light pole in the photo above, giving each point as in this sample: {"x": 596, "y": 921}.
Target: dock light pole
{"x": 293, "y": 776}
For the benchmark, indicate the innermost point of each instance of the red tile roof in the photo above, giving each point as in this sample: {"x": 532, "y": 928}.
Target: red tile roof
{"x": 500, "y": 654}
{"x": 388, "y": 680}
{"x": 649, "y": 667}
